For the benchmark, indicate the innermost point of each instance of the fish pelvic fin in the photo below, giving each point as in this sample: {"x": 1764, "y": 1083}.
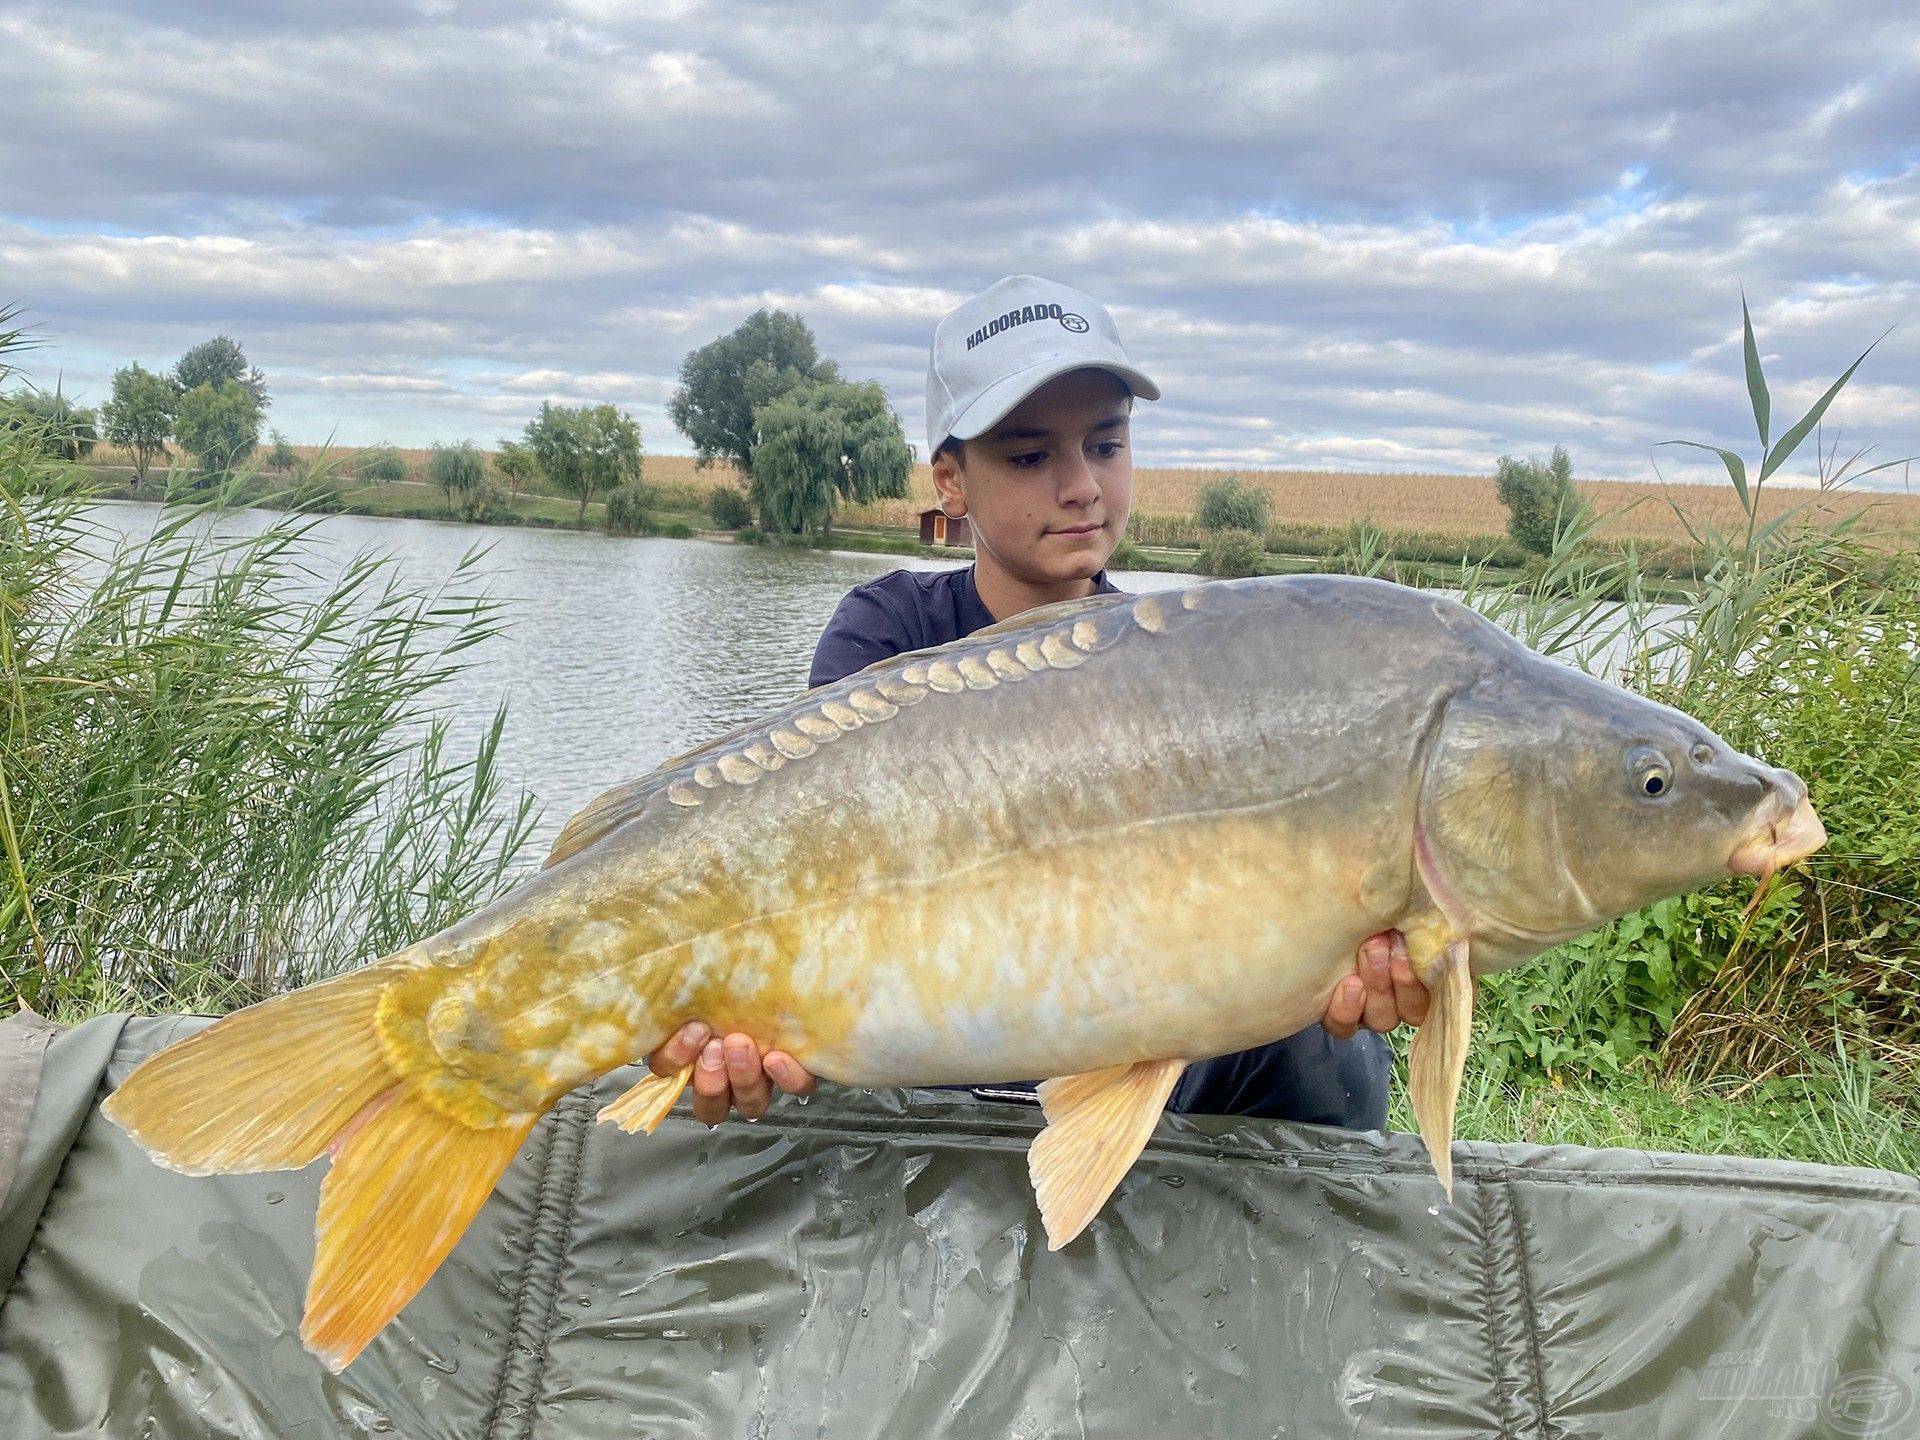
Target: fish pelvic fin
{"x": 406, "y": 1182}
{"x": 266, "y": 1088}
{"x": 645, "y": 1105}
{"x": 1438, "y": 1057}
{"x": 1097, "y": 1125}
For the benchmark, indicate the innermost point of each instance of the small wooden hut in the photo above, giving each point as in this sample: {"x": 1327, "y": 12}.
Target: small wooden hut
{"x": 939, "y": 528}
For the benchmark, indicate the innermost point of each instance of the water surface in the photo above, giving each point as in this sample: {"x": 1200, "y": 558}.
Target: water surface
{"x": 617, "y": 653}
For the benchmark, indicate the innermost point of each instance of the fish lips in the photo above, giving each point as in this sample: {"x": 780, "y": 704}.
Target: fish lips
{"x": 1787, "y": 831}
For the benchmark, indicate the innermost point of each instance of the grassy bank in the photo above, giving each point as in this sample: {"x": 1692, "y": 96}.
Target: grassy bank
{"x": 1837, "y": 1110}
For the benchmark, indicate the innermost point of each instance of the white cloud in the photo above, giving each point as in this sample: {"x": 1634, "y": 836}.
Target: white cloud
{"x": 1338, "y": 233}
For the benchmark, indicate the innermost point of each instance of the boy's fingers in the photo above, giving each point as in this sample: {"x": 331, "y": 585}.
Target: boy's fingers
{"x": 1344, "y": 1009}
{"x": 751, "y": 1093}
{"x": 789, "y": 1074}
{"x": 1410, "y": 996}
{"x": 679, "y": 1049}
{"x": 1374, "y": 963}
{"x": 712, "y": 1095}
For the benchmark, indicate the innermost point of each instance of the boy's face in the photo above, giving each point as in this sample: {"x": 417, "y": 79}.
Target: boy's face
{"x": 1048, "y": 488}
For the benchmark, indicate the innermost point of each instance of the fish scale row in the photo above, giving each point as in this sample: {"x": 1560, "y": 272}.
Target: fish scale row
{"x": 1061, "y": 647}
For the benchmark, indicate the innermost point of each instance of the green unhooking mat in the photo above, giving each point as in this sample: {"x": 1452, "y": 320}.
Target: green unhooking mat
{"x": 869, "y": 1266}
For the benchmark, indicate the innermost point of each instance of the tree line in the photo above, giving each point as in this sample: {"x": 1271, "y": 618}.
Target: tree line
{"x": 761, "y": 399}
{"x": 210, "y": 403}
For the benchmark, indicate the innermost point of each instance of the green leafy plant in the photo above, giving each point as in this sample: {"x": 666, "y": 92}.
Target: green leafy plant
{"x": 729, "y": 508}
{"x": 216, "y": 780}
{"x": 586, "y": 450}
{"x": 1232, "y": 553}
{"x": 1542, "y": 504}
{"x": 631, "y": 509}
{"x": 1231, "y": 504}
{"x": 218, "y": 425}
{"x": 382, "y": 465}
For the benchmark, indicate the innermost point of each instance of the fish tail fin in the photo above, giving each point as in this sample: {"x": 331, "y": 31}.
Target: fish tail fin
{"x": 266, "y": 1088}
{"x": 407, "y": 1180}
{"x": 303, "y": 1075}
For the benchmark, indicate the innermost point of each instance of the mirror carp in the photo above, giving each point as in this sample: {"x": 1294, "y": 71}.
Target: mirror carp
{"x": 1095, "y": 843}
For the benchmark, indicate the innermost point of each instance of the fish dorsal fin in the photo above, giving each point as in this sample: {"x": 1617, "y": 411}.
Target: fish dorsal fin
{"x": 1044, "y": 616}
{"x": 613, "y": 808}
{"x": 1097, "y": 1125}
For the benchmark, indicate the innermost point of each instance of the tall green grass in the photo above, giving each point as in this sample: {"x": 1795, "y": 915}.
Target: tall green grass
{"x": 1802, "y": 647}
{"x": 220, "y": 770}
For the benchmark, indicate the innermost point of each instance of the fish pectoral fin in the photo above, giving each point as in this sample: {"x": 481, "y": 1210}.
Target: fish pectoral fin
{"x": 645, "y": 1105}
{"x": 1439, "y": 1053}
{"x": 1097, "y": 1125}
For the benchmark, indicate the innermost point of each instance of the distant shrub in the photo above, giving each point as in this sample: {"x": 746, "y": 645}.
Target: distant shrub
{"x": 729, "y": 507}
{"x": 747, "y": 535}
{"x": 675, "y": 531}
{"x": 485, "y": 501}
{"x": 1230, "y": 504}
{"x": 1126, "y": 556}
{"x": 1540, "y": 499}
{"x": 57, "y": 427}
{"x": 1231, "y": 553}
{"x": 631, "y": 508}
{"x": 382, "y": 466}
{"x": 282, "y": 457}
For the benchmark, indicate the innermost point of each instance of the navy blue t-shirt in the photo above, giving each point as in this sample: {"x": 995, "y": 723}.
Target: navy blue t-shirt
{"x": 1310, "y": 1076}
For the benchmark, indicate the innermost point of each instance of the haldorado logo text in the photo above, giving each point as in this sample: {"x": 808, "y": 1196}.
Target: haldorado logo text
{"x": 1025, "y": 314}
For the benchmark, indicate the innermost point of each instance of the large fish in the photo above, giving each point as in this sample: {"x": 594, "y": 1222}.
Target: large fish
{"x": 1095, "y": 843}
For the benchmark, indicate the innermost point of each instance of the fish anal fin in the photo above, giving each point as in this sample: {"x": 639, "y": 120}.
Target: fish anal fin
{"x": 1097, "y": 1125}
{"x": 1438, "y": 1057}
{"x": 405, "y": 1184}
{"x": 646, "y": 1104}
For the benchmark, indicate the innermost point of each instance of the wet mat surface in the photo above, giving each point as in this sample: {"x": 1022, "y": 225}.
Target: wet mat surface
{"x": 870, "y": 1266}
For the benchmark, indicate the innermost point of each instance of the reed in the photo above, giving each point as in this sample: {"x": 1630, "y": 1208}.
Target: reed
{"x": 220, "y": 771}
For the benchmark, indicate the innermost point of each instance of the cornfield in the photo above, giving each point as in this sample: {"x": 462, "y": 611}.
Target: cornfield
{"x": 1429, "y": 505}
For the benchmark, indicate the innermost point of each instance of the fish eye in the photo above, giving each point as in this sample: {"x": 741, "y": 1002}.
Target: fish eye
{"x": 1652, "y": 776}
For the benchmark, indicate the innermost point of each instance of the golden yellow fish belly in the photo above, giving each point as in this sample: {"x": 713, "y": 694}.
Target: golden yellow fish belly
{"x": 1230, "y": 928}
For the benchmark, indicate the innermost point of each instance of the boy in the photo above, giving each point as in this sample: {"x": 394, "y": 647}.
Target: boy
{"x": 1029, "y": 399}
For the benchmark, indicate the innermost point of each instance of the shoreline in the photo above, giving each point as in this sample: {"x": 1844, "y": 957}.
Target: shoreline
{"x": 417, "y": 500}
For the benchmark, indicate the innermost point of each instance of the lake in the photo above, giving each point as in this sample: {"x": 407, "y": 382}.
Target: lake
{"x": 617, "y": 653}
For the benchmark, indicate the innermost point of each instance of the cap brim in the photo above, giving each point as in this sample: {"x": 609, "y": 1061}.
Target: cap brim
{"x": 1000, "y": 399}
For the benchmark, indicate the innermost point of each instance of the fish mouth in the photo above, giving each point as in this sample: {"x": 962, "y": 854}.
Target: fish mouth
{"x": 1784, "y": 839}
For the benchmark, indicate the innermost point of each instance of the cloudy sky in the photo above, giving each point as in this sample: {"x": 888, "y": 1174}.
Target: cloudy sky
{"x": 1385, "y": 236}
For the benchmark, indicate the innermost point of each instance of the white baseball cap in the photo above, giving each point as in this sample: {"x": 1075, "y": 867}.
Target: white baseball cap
{"x": 1005, "y": 343}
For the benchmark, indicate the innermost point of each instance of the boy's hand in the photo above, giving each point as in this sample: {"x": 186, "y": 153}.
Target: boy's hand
{"x": 1382, "y": 992}
{"x": 730, "y": 1072}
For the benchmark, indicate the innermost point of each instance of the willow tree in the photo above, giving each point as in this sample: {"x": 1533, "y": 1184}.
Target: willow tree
{"x": 821, "y": 443}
